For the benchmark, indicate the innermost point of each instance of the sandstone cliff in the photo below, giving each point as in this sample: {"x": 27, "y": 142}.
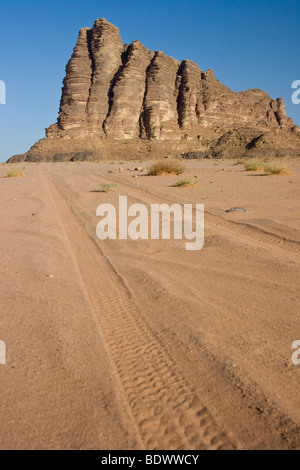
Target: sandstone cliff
{"x": 126, "y": 93}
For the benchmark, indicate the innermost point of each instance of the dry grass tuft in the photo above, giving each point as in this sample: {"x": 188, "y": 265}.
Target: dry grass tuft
{"x": 108, "y": 187}
{"x": 186, "y": 183}
{"x": 268, "y": 169}
{"x": 277, "y": 170}
{"x": 164, "y": 167}
{"x": 15, "y": 173}
{"x": 254, "y": 166}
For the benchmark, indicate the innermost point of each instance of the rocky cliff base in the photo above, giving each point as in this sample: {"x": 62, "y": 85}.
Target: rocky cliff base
{"x": 240, "y": 143}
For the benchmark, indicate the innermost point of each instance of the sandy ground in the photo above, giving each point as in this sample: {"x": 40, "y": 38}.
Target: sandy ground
{"x": 123, "y": 344}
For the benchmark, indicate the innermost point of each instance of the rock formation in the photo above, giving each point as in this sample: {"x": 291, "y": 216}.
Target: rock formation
{"x": 128, "y": 94}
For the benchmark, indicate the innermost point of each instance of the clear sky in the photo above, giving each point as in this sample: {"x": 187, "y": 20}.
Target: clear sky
{"x": 248, "y": 43}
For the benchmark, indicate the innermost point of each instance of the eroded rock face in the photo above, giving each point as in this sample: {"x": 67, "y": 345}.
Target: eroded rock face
{"x": 107, "y": 49}
{"x": 77, "y": 84}
{"x": 127, "y": 92}
{"x": 159, "y": 118}
{"x": 127, "y": 97}
{"x": 123, "y": 92}
{"x": 190, "y": 86}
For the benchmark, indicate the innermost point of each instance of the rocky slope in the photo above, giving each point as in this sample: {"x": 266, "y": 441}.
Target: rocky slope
{"x": 126, "y": 99}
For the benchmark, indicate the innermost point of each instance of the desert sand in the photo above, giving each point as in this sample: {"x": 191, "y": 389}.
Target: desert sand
{"x": 123, "y": 344}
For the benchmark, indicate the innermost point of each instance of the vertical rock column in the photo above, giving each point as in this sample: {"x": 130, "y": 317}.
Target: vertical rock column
{"x": 189, "y": 91}
{"x": 128, "y": 94}
{"x": 75, "y": 93}
{"x": 280, "y": 112}
{"x": 159, "y": 119}
{"x": 106, "y": 51}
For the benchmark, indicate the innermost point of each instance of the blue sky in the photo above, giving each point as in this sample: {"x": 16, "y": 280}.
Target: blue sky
{"x": 249, "y": 44}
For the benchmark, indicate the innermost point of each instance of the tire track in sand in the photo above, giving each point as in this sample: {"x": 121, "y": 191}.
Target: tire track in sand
{"x": 166, "y": 411}
{"x": 240, "y": 229}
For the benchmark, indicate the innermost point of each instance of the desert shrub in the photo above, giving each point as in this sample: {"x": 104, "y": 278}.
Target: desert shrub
{"x": 168, "y": 167}
{"x": 107, "y": 187}
{"x": 185, "y": 183}
{"x": 268, "y": 169}
{"x": 277, "y": 170}
{"x": 254, "y": 166}
{"x": 15, "y": 173}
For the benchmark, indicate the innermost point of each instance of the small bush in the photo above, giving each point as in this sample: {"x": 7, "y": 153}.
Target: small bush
{"x": 254, "y": 166}
{"x": 277, "y": 170}
{"x": 185, "y": 183}
{"x": 107, "y": 187}
{"x": 268, "y": 169}
{"x": 15, "y": 173}
{"x": 168, "y": 167}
